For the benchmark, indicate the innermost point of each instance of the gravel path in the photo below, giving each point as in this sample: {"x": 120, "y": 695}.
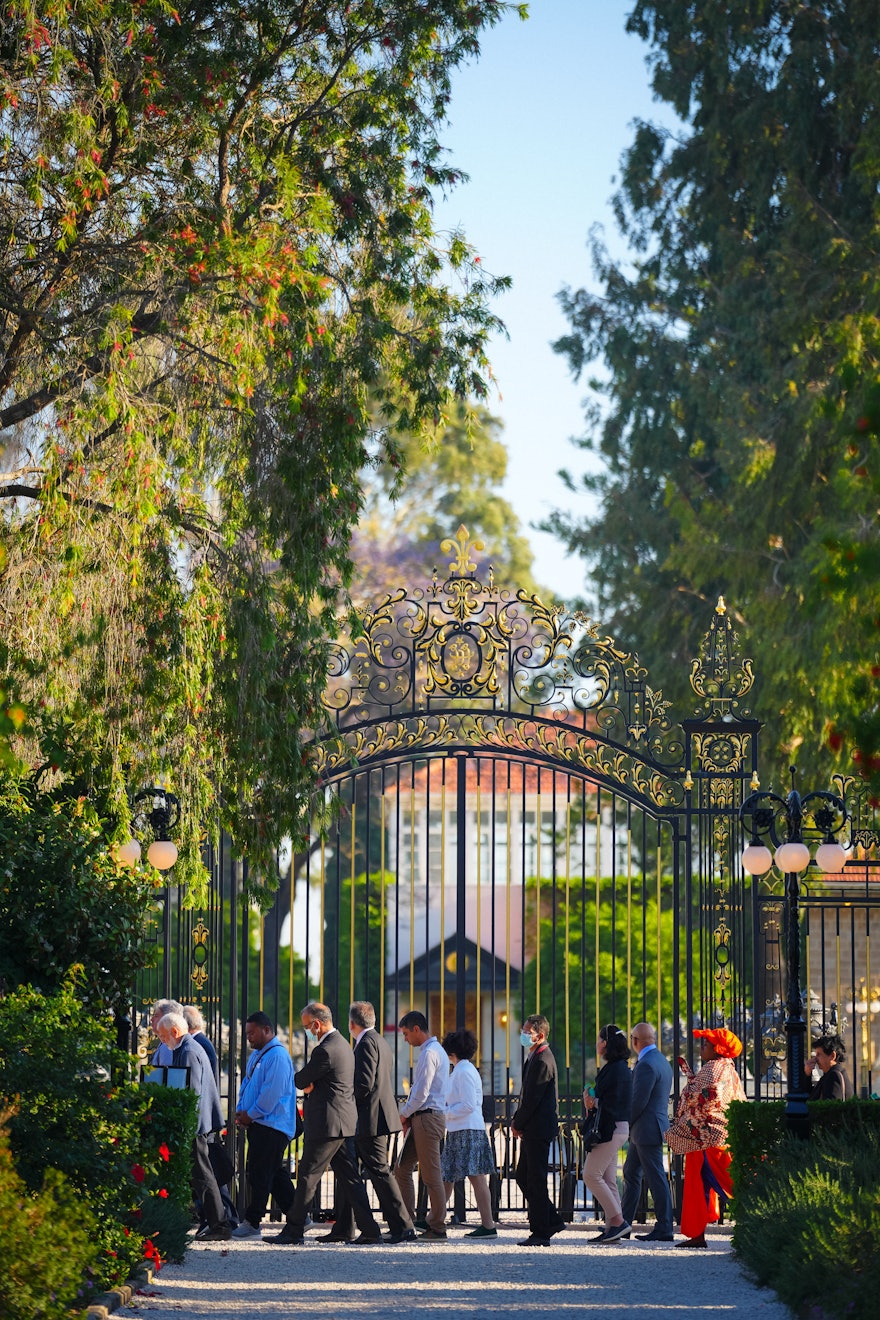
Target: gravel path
{"x": 628, "y": 1281}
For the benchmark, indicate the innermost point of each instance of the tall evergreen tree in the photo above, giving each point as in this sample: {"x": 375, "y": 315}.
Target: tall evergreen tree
{"x": 739, "y": 432}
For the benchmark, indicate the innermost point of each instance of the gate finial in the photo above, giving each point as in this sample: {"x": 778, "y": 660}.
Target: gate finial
{"x": 462, "y": 547}
{"x": 720, "y": 675}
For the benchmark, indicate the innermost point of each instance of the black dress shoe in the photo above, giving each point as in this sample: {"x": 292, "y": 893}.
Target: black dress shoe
{"x": 333, "y": 1237}
{"x": 557, "y": 1228}
{"x": 534, "y": 1241}
{"x": 654, "y": 1236}
{"x": 367, "y": 1240}
{"x": 408, "y": 1235}
{"x": 288, "y": 1237}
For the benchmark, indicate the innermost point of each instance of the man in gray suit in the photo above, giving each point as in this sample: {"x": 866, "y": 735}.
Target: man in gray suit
{"x": 648, "y": 1120}
{"x": 329, "y": 1117}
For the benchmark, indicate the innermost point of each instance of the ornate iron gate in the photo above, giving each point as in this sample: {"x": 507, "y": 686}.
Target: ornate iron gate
{"x": 514, "y": 823}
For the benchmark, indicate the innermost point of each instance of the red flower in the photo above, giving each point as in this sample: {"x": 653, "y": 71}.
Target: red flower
{"x": 137, "y": 1172}
{"x": 165, "y": 1152}
{"x": 162, "y": 1192}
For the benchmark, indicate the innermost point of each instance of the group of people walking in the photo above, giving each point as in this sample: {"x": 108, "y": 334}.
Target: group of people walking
{"x": 349, "y": 1114}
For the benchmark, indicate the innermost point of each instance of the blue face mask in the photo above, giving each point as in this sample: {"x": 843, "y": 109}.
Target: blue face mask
{"x": 525, "y": 1040}
{"x": 310, "y": 1035}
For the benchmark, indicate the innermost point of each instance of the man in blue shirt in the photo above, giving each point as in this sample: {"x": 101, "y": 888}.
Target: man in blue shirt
{"x": 267, "y": 1112}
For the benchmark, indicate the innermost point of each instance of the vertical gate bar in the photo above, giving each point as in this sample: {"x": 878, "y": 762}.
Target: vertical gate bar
{"x": 364, "y": 991}
{"x": 351, "y": 903}
{"x": 538, "y": 869}
{"x": 613, "y": 1017}
{"x": 659, "y": 925}
{"x": 443, "y": 883}
{"x": 290, "y": 949}
{"x": 524, "y": 773}
{"x": 493, "y": 853}
{"x": 412, "y": 893}
{"x": 869, "y": 1038}
{"x": 508, "y": 896}
{"x": 583, "y": 958}
{"x": 244, "y": 958}
{"x": 261, "y": 966}
{"x": 322, "y": 906}
{"x": 478, "y": 1024}
{"x": 629, "y": 908}
{"x": 461, "y": 894}
{"x": 837, "y": 955}
{"x": 567, "y": 932}
{"x": 596, "y": 923}
{"x": 382, "y": 897}
{"x": 428, "y": 878}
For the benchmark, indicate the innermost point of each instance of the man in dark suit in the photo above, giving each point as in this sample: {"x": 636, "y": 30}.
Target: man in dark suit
{"x": 536, "y": 1123}
{"x": 648, "y": 1120}
{"x": 329, "y": 1116}
{"x": 377, "y": 1119}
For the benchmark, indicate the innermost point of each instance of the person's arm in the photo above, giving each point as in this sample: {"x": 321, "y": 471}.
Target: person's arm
{"x": 642, "y": 1086}
{"x": 539, "y": 1078}
{"x": 366, "y": 1066}
{"x": 426, "y": 1070}
{"x": 272, "y": 1079}
{"x": 465, "y": 1094}
{"x": 318, "y": 1066}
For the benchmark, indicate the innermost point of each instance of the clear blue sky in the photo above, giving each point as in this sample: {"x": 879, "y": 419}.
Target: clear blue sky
{"x": 540, "y": 123}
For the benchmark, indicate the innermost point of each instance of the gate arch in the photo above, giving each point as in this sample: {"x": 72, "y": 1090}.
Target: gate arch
{"x": 519, "y": 825}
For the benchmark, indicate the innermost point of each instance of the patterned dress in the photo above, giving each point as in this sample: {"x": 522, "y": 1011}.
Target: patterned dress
{"x": 700, "y": 1133}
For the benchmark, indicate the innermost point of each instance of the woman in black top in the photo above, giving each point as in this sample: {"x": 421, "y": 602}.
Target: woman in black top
{"x": 828, "y": 1054}
{"x": 613, "y": 1092}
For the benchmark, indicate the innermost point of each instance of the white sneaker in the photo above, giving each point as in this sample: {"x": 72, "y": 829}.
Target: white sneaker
{"x": 246, "y": 1230}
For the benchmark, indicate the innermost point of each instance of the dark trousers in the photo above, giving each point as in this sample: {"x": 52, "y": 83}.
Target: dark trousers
{"x": 317, "y": 1157}
{"x": 531, "y": 1177}
{"x": 267, "y": 1172}
{"x": 647, "y": 1159}
{"x": 373, "y": 1155}
{"x": 204, "y": 1184}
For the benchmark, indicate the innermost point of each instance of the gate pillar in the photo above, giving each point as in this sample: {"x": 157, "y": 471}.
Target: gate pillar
{"x": 721, "y": 759}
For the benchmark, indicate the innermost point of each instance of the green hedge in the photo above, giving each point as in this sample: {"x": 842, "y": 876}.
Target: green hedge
{"x": 48, "y": 1244}
{"x": 807, "y": 1212}
{"x": 77, "y": 1125}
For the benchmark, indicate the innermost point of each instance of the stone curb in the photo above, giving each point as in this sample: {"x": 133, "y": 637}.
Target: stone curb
{"x": 119, "y": 1296}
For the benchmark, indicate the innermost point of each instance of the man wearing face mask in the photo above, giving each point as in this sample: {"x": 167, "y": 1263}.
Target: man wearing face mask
{"x": 536, "y": 1123}
{"x": 329, "y": 1116}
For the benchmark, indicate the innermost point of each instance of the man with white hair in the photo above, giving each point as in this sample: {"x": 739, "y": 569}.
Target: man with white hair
{"x": 196, "y": 1023}
{"x": 174, "y": 1034}
{"x": 161, "y": 1056}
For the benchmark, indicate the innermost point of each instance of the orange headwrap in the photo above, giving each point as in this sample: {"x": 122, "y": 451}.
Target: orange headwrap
{"x": 727, "y": 1046}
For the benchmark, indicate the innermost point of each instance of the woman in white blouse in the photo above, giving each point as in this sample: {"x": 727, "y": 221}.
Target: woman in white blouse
{"x": 466, "y": 1152}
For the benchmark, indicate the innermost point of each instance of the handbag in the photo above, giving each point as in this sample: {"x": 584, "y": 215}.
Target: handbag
{"x": 590, "y": 1129}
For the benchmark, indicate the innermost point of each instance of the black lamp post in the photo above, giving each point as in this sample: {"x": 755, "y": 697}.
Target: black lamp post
{"x": 157, "y": 811}
{"x": 783, "y": 821}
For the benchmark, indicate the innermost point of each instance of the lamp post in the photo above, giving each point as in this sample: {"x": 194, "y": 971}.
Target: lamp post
{"x": 159, "y": 814}
{"x": 784, "y": 821}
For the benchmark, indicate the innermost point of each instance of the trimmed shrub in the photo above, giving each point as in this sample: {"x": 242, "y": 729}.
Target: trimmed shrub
{"x": 808, "y": 1212}
{"x": 49, "y": 1249}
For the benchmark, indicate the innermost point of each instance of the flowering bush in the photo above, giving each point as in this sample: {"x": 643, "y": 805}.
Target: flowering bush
{"x": 123, "y": 1148}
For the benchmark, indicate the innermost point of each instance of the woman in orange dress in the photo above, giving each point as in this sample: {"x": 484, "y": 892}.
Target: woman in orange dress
{"x": 700, "y": 1132}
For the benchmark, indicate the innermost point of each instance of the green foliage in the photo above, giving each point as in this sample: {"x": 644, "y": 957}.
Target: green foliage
{"x": 117, "y": 1145}
{"x": 49, "y": 1249}
{"x": 65, "y": 902}
{"x": 738, "y": 437}
{"x": 808, "y": 1221}
{"x": 220, "y": 268}
{"x": 450, "y": 478}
